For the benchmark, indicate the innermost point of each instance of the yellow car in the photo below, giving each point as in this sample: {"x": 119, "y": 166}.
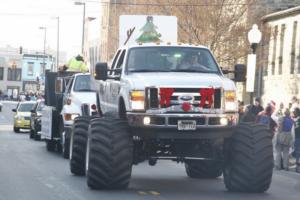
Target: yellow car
{"x": 22, "y": 117}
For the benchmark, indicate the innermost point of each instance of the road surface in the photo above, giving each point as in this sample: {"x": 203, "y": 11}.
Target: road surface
{"x": 29, "y": 172}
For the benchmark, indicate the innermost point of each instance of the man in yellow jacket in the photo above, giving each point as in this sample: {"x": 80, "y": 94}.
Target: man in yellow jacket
{"x": 77, "y": 65}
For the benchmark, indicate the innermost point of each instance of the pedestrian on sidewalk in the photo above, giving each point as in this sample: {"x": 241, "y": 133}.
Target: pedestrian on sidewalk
{"x": 252, "y": 111}
{"x": 284, "y": 140}
{"x": 297, "y": 138}
{"x": 264, "y": 117}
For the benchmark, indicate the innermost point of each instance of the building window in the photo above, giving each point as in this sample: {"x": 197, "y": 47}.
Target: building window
{"x": 274, "y": 49}
{"x": 293, "y": 52}
{"x": 1, "y": 73}
{"x": 14, "y": 74}
{"x": 30, "y": 68}
{"x": 280, "y": 59}
{"x": 43, "y": 68}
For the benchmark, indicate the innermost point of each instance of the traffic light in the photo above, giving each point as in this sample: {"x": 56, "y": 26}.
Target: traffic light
{"x": 21, "y": 50}
{"x": 14, "y": 65}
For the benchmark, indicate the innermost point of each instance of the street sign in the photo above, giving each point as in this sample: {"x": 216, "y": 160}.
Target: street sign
{"x": 251, "y": 65}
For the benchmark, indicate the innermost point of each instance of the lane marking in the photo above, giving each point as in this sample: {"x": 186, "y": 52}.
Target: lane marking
{"x": 154, "y": 193}
{"x": 142, "y": 193}
{"x": 150, "y": 193}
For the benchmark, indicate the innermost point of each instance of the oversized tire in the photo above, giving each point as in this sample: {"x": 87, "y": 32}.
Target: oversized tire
{"x": 16, "y": 130}
{"x": 203, "y": 169}
{"x": 248, "y": 163}
{"x": 78, "y": 144}
{"x": 50, "y": 145}
{"x": 110, "y": 154}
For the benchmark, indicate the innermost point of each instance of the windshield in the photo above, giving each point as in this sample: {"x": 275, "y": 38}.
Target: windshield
{"x": 41, "y": 106}
{"x": 26, "y": 107}
{"x": 171, "y": 59}
{"x": 84, "y": 83}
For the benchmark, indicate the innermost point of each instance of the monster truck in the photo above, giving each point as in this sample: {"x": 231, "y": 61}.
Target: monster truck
{"x": 169, "y": 102}
{"x": 65, "y": 93}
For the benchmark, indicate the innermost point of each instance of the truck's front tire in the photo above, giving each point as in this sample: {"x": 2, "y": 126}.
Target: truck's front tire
{"x": 78, "y": 145}
{"x": 50, "y": 145}
{"x": 203, "y": 169}
{"x": 249, "y": 159}
{"x": 110, "y": 154}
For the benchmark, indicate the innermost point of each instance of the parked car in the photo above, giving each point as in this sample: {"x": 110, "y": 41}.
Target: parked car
{"x": 35, "y": 121}
{"x": 23, "y": 115}
{"x": 1, "y": 105}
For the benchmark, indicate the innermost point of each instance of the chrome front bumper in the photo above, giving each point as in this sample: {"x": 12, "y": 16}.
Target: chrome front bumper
{"x": 170, "y": 120}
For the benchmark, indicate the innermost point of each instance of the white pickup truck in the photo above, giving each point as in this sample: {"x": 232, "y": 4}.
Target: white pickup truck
{"x": 170, "y": 102}
{"x": 64, "y": 104}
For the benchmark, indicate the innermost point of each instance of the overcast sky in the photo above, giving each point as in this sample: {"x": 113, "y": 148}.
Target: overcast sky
{"x": 20, "y": 21}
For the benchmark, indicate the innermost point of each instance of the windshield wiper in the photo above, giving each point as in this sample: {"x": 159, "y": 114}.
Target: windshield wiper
{"x": 85, "y": 90}
{"x": 148, "y": 70}
{"x": 193, "y": 70}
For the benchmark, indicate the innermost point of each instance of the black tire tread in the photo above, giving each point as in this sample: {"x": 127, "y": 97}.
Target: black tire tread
{"x": 80, "y": 134}
{"x": 203, "y": 169}
{"x": 111, "y": 154}
{"x": 249, "y": 166}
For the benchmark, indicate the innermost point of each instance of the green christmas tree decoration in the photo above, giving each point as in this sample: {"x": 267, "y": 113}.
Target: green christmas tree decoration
{"x": 149, "y": 32}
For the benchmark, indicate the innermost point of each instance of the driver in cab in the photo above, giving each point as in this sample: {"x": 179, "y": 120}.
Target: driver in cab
{"x": 191, "y": 62}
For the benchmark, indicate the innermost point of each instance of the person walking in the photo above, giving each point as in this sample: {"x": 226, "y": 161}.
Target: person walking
{"x": 264, "y": 117}
{"x": 251, "y": 111}
{"x": 284, "y": 140}
{"x": 297, "y": 138}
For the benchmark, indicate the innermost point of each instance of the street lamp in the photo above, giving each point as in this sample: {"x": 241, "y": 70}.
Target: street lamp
{"x": 83, "y": 23}
{"x": 45, "y": 33}
{"x": 254, "y": 37}
{"x": 57, "y": 44}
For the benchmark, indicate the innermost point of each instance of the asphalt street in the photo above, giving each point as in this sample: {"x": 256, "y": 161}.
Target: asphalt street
{"x": 29, "y": 172}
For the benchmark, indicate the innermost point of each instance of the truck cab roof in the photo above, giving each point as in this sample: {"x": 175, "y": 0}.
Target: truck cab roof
{"x": 163, "y": 44}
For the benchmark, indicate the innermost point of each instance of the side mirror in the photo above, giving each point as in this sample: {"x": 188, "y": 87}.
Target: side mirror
{"x": 32, "y": 111}
{"x": 14, "y": 110}
{"x": 240, "y": 73}
{"x": 101, "y": 71}
{"x": 59, "y": 86}
{"x": 225, "y": 70}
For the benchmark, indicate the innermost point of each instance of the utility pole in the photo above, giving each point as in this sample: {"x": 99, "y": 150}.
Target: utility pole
{"x": 44, "y": 54}
{"x": 83, "y": 24}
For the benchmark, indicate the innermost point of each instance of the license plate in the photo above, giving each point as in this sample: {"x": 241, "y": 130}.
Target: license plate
{"x": 184, "y": 125}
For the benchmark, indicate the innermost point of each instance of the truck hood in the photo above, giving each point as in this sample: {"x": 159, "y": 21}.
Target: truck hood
{"x": 179, "y": 79}
{"x": 84, "y": 97}
{"x": 77, "y": 99}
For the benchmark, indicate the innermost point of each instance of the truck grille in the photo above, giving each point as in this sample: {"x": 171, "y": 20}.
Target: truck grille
{"x": 152, "y": 95}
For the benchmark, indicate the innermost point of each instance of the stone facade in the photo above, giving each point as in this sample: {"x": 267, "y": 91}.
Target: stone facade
{"x": 281, "y": 80}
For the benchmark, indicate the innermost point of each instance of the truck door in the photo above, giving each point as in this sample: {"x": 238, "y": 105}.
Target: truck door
{"x": 114, "y": 84}
{"x": 104, "y": 90}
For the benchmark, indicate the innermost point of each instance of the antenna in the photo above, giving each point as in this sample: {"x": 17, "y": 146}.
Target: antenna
{"x": 129, "y": 34}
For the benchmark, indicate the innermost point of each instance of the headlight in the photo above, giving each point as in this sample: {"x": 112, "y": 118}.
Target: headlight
{"x": 137, "y": 100}
{"x": 70, "y": 117}
{"x": 230, "y": 101}
{"x": 18, "y": 117}
{"x": 73, "y": 116}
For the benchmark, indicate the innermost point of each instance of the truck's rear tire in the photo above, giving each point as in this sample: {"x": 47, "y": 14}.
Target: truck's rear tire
{"x": 110, "y": 154}
{"x": 203, "y": 169}
{"x": 50, "y": 145}
{"x": 249, "y": 159}
{"x": 31, "y": 134}
{"x": 78, "y": 143}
